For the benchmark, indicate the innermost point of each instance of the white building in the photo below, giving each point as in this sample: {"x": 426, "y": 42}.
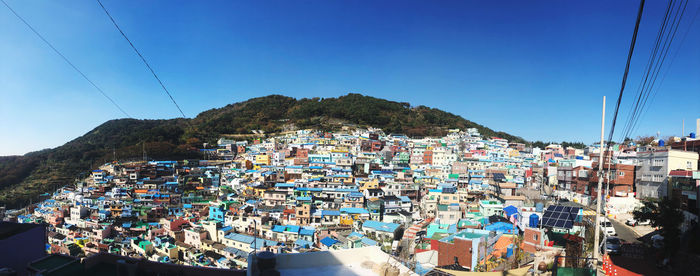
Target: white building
{"x": 654, "y": 166}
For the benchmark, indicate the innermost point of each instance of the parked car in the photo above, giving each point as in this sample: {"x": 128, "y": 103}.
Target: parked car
{"x": 612, "y": 245}
{"x": 634, "y": 222}
{"x": 657, "y": 241}
{"x": 607, "y": 228}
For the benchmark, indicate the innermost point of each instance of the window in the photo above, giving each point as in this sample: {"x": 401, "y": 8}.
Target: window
{"x": 621, "y": 173}
{"x": 689, "y": 164}
{"x": 658, "y": 162}
{"x": 534, "y": 236}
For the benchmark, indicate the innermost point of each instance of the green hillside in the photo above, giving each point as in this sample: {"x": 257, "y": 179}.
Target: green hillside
{"x": 25, "y": 177}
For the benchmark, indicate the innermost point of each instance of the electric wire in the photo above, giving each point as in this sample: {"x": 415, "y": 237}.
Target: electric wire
{"x": 640, "y": 12}
{"x": 652, "y": 73}
{"x": 66, "y": 59}
{"x": 650, "y": 62}
{"x": 658, "y": 69}
{"x": 142, "y": 58}
{"x": 670, "y": 64}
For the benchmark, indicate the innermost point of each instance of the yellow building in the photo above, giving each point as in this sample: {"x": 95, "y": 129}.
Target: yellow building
{"x": 371, "y": 184}
{"x": 257, "y": 192}
{"x": 262, "y": 159}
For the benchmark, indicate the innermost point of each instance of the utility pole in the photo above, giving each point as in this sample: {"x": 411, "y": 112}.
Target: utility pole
{"x": 607, "y": 179}
{"x": 596, "y": 244}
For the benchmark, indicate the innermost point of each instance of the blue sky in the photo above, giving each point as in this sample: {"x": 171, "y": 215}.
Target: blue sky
{"x": 537, "y": 69}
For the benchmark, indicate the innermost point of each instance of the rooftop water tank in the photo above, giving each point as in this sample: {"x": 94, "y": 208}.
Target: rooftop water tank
{"x": 692, "y": 135}
{"x": 534, "y": 220}
{"x": 661, "y": 143}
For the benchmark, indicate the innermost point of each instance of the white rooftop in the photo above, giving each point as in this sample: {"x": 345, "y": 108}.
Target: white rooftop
{"x": 356, "y": 261}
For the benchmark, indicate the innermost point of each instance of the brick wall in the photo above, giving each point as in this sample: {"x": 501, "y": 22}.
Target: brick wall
{"x": 459, "y": 248}
{"x": 531, "y": 237}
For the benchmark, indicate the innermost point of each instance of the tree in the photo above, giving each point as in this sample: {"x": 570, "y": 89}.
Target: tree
{"x": 645, "y": 140}
{"x": 667, "y": 216}
{"x": 518, "y": 252}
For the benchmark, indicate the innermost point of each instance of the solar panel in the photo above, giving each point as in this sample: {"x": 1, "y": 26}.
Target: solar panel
{"x": 560, "y": 216}
{"x": 499, "y": 176}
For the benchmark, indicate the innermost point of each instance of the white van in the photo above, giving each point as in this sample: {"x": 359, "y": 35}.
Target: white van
{"x": 607, "y": 227}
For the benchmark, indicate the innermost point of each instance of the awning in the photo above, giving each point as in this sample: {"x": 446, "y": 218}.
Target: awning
{"x": 588, "y": 213}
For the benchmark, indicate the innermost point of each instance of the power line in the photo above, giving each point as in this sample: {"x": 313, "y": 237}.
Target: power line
{"x": 634, "y": 106}
{"x": 673, "y": 58}
{"x": 627, "y": 70}
{"x": 65, "y": 58}
{"x": 665, "y": 51}
{"x": 667, "y": 33}
{"x": 657, "y": 59}
{"x": 142, "y": 58}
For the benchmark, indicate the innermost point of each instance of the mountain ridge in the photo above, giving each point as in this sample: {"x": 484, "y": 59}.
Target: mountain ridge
{"x": 24, "y": 177}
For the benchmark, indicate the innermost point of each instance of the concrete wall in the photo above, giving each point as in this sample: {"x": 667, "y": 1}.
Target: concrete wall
{"x": 330, "y": 262}
{"x": 18, "y": 250}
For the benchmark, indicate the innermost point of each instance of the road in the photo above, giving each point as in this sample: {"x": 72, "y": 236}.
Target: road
{"x": 624, "y": 232}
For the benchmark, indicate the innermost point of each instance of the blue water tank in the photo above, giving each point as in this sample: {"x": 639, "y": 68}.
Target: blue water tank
{"x": 539, "y": 207}
{"x": 692, "y": 135}
{"x": 534, "y": 220}
{"x": 661, "y": 143}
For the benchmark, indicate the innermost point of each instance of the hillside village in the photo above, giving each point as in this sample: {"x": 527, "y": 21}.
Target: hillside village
{"x": 458, "y": 202}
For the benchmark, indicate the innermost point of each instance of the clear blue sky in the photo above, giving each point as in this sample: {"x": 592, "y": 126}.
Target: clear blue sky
{"x": 537, "y": 69}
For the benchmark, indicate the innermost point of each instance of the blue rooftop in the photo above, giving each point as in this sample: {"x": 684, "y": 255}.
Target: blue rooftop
{"x": 284, "y": 185}
{"x": 380, "y": 226}
{"x": 502, "y": 227}
{"x": 307, "y": 231}
{"x": 368, "y": 242}
{"x": 303, "y": 243}
{"x": 328, "y": 241}
{"x": 354, "y": 210}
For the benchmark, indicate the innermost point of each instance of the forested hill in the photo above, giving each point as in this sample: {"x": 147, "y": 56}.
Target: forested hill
{"x": 24, "y": 177}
